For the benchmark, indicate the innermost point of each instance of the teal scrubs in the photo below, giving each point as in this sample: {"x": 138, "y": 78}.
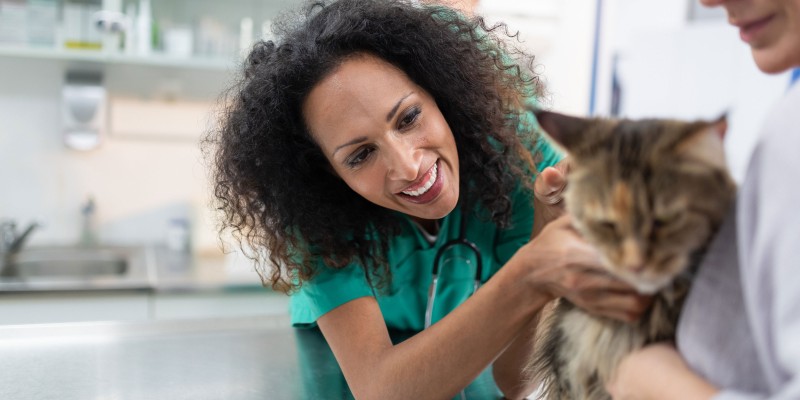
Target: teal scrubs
{"x": 411, "y": 258}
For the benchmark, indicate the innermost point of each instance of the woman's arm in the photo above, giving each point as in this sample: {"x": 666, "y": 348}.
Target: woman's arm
{"x": 509, "y": 371}
{"x": 658, "y": 372}
{"x": 440, "y": 361}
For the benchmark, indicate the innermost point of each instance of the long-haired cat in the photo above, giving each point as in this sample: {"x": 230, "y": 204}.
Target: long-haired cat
{"x": 648, "y": 194}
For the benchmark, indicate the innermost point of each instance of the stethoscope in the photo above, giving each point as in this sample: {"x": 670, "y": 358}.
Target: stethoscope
{"x": 460, "y": 241}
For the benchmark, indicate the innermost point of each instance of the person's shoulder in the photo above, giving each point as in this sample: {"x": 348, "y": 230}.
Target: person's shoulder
{"x": 789, "y": 104}
{"x": 782, "y": 125}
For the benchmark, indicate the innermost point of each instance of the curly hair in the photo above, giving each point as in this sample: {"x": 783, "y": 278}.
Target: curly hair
{"x": 273, "y": 184}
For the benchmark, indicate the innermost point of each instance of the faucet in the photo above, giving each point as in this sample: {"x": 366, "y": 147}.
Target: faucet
{"x": 11, "y": 243}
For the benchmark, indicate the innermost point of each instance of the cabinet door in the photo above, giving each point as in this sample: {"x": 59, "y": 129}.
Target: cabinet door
{"x": 45, "y": 308}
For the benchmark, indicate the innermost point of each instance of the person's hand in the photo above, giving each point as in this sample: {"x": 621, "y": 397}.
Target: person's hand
{"x": 563, "y": 264}
{"x": 657, "y": 372}
{"x": 548, "y": 195}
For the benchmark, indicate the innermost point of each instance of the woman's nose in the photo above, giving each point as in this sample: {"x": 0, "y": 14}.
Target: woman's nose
{"x": 402, "y": 159}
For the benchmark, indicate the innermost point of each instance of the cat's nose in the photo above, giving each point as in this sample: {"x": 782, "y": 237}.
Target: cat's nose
{"x": 637, "y": 268}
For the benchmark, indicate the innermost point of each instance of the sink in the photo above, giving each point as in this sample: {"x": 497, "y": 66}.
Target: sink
{"x": 96, "y": 266}
{"x": 68, "y": 262}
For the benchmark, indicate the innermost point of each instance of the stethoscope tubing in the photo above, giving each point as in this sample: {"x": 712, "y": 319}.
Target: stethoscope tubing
{"x": 461, "y": 240}
{"x": 435, "y": 281}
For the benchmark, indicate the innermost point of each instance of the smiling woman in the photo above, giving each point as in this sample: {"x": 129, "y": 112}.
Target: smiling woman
{"x": 360, "y": 143}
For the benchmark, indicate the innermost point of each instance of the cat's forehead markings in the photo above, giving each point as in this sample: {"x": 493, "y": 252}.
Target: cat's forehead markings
{"x": 621, "y": 198}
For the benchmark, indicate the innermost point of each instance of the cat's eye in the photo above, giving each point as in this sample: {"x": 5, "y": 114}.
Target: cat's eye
{"x": 664, "y": 221}
{"x": 607, "y": 227}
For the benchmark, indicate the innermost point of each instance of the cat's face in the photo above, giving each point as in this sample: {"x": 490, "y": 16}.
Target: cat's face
{"x": 646, "y": 193}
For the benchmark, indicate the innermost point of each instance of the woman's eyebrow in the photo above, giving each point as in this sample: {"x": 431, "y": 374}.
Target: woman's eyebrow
{"x": 389, "y": 117}
{"x": 396, "y": 106}
{"x": 350, "y": 143}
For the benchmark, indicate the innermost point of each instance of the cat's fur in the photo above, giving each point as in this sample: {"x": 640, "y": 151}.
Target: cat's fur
{"x": 649, "y": 194}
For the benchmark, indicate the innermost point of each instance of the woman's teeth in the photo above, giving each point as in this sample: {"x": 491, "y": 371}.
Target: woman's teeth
{"x": 427, "y": 184}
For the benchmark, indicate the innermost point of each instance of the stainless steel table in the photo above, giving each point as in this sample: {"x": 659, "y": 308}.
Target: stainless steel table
{"x": 242, "y": 358}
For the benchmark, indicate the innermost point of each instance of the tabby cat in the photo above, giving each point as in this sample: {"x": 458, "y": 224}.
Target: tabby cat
{"x": 649, "y": 194}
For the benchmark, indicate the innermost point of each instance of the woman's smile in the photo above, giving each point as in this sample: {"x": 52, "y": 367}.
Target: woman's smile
{"x": 750, "y": 31}
{"x": 769, "y": 27}
{"x": 426, "y": 189}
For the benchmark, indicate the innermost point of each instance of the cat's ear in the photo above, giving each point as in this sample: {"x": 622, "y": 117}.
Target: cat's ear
{"x": 721, "y": 126}
{"x": 565, "y": 130}
{"x": 706, "y": 144}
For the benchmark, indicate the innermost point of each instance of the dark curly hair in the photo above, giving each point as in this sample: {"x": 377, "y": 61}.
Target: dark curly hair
{"x": 272, "y": 182}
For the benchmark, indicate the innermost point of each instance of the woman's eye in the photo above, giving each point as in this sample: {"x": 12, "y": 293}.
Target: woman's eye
{"x": 359, "y": 157}
{"x": 409, "y": 117}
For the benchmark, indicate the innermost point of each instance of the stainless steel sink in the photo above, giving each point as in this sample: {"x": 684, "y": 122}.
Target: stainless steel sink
{"x": 69, "y": 262}
{"x": 64, "y": 267}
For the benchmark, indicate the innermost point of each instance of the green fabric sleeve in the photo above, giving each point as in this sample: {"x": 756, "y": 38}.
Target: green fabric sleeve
{"x": 327, "y": 290}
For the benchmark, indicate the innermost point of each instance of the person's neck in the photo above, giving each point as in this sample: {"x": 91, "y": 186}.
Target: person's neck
{"x": 430, "y": 226}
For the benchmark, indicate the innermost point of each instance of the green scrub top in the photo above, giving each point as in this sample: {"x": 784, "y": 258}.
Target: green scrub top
{"x": 411, "y": 258}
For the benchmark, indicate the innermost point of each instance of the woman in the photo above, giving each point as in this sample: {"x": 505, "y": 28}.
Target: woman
{"x": 367, "y": 136}
{"x": 739, "y": 333}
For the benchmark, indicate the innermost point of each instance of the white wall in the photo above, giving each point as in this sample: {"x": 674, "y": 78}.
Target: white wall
{"x": 672, "y": 67}
{"x": 138, "y": 185}
{"x": 560, "y": 34}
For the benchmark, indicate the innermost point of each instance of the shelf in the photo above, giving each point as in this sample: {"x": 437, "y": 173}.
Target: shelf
{"x": 101, "y": 57}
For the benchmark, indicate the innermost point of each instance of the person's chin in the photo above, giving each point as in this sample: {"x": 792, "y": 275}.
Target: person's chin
{"x": 771, "y": 61}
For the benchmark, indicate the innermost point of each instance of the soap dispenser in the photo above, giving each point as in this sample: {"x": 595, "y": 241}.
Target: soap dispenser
{"x": 83, "y": 99}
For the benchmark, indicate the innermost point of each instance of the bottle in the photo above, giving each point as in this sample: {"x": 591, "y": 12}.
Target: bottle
{"x": 130, "y": 32}
{"x": 178, "y": 235}
{"x": 144, "y": 28}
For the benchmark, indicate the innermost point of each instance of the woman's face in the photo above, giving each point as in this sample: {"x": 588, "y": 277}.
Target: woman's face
{"x": 385, "y": 137}
{"x": 770, "y": 27}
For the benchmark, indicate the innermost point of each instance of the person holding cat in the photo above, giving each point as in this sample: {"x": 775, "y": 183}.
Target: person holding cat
{"x": 367, "y": 136}
{"x": 739, "y": 332}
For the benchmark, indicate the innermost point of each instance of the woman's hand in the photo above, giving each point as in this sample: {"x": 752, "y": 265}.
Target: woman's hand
{"x": 562, "y": 264}
{"x": 657, "y": 372}
{"x": 548, "y": 195}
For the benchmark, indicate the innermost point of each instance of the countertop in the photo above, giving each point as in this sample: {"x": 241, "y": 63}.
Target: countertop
{"x": 155, "y": 269}
{"x": 241, "y": 358}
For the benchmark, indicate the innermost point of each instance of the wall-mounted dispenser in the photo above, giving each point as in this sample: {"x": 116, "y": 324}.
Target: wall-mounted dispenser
{"x": 83, "y": 108}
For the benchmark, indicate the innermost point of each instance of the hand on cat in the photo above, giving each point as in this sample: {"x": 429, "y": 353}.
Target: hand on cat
{"x": 548, "y": 193}
{"x": 635, "y": 378}
{"x": 565, "y": 265}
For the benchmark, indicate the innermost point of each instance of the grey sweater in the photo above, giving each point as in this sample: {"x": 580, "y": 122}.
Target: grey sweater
{"x": 740, "y": 327}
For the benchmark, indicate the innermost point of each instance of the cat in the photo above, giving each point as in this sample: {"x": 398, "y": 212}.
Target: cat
{"x": 648, "y": 194}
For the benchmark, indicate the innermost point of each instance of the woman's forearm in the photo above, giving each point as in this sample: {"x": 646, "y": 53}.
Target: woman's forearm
{"x": 658, "y": 372}
{"x": 440, "y": 361}
{"x": 508, "y": 370}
